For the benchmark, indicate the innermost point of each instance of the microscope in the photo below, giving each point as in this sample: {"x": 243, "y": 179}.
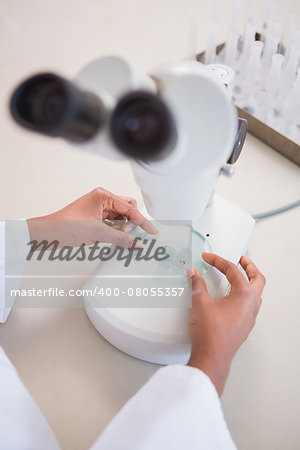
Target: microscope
{"x": 180, "y": 131}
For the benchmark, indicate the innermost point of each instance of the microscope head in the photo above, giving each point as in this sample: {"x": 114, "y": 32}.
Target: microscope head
{"x": 178, "y": 126}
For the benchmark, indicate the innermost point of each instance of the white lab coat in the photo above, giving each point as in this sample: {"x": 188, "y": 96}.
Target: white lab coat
{"x": 178, "y": 408}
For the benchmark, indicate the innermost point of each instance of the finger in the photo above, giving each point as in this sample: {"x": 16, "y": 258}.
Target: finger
{"x": 112, "y": 215}
{"x": 122, "y": 239}
{"x": 129, "y": 226}
{"x": 133, "y": 214}
{"x": 230, "y": 270}
{"x": 256, "y": 278}
{"x": 130, "y": 200}
{"x": 100, "y": 191}
{"x": 118, "y": 224}
{"x": 199, "y": 289}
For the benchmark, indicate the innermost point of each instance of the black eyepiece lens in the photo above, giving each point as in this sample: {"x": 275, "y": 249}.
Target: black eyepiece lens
{"x": 47, "y": 103}
{"x": 41, "y": 100}
{"x": 142, "y": 127}
{"x": 50, "y": 105}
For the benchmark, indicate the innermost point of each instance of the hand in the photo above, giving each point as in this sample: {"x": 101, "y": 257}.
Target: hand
{"x": 86, "y": 221}
{"x": 217, "y": 328}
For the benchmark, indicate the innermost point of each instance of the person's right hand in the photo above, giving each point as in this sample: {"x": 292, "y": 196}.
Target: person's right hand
{"x": 84, "y": 221}
{"x": 217, "y": 328}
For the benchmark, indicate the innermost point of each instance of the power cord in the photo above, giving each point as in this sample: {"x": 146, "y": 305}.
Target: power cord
{"x": 274, "y": 212}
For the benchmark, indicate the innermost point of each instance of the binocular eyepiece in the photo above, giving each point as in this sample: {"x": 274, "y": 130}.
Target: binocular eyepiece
{"x": 51, "y": 105}
{"x": 141, "y": 125}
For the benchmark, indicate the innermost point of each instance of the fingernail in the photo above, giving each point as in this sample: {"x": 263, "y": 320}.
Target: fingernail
{"x": 129, "y": 227}
{"x": 190, "y": 272}
{"x": 138, "y": 246}
{"x": 154, "y": 230}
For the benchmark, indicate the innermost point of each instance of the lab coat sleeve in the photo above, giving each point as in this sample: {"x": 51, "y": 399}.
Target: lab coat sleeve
{"x": 177, "y": 409}
{"x": 22, "y": 425}
{"x": 14, "y": 238}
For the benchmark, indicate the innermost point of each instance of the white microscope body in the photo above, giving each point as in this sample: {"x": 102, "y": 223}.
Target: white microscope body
{"x": 177, "y": 185}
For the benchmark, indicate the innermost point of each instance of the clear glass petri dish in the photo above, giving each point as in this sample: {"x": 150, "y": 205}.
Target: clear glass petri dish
{"x": 183, "y": 246}
{"x": 199, "y": 245}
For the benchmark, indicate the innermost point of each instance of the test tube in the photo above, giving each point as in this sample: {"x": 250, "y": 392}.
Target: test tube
{"x": 292, "y": 37}
{"x": 288, "y": 79}
{"x": 235, "y": 16}
{"x": 251, "y": 15}
{"x": 210, "y": 54}
{"x": 269, "y": 14}
{"x": 249, "y": 38}
{"x": 293, "y": 60}
{"x": 276, "y": 67}
{"x": 272, "y": 40}
{"x": 274, "y": 78}
{"x": 231, "y": 49}
{"x": 193, "y": 33}
{"x": 297, "y": 89}
{"x": 286, "y": 31}
{"x": 252, "y": 75}
{"x": 293, "y": 104}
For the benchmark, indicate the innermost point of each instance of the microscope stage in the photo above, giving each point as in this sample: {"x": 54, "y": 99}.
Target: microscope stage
{"x": 160, "y": 335}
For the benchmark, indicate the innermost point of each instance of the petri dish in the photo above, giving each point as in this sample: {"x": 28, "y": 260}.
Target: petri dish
{"x": 199, "y": 245}
{"x": 183, "y": 246}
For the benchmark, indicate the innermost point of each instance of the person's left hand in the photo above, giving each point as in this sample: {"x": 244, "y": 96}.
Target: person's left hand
{"x": 218, "y": 327}
{"x": 86, "y": 221}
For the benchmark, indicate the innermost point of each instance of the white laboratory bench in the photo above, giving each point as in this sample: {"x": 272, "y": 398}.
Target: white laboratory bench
{"x": 77, "y": 378}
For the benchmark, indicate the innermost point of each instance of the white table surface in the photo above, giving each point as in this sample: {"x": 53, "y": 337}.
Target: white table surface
{"x": 79, "y": 380}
